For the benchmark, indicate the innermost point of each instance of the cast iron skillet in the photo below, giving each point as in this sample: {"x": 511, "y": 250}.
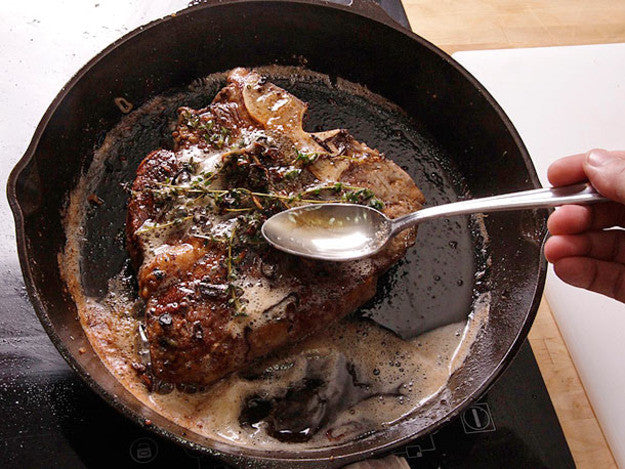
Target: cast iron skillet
{"x": 357, "y": 42}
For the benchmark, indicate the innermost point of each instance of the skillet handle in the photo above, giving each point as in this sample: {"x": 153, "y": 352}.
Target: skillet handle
{"x": 378, "y": 11}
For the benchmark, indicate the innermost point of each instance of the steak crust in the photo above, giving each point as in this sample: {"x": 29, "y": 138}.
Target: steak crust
{"x": 216, "y": 296}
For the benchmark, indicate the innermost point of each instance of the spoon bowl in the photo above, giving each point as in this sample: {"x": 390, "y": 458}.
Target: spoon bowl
{"x": 335, "y": 232}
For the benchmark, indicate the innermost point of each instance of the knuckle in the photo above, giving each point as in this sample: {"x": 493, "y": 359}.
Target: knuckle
{"x": 594, "y": 150}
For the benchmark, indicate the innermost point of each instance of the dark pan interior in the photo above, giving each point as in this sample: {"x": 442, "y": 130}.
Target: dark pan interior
{"x": 432, "y": 286}
{"x": 466, "y": 144}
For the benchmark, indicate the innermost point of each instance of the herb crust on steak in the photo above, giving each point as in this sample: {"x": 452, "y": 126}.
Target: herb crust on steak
{"x": 217, "y": 296}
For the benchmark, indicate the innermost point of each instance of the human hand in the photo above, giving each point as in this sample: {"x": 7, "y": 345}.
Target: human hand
{"x": 583, "y": 253}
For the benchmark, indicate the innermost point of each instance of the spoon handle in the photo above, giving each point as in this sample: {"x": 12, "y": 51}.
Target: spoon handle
{"x": 537, "y": 198}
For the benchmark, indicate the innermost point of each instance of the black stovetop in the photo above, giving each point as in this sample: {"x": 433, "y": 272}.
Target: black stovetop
{"x": 50, "y": 418}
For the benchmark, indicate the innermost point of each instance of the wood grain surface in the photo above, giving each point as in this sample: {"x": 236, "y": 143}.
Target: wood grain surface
{"x": 455, "y": 25}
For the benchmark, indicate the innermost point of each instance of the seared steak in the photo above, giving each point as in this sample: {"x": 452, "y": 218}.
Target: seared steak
{"x": 217, "y": 296}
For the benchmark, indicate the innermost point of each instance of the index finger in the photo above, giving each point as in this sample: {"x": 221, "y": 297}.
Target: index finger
{"x": 567, "y": 170}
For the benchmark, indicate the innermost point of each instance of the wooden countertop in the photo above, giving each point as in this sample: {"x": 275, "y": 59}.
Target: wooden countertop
{"x": 455, "y": 25}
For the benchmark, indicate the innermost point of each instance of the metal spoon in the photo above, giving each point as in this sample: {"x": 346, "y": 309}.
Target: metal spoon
{"x": 343, "y": 232}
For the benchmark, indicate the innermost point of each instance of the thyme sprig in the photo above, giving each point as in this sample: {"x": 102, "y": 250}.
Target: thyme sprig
{"x": 230, "y": 200}
{"x": 305, "y": 158}
{"x": 156, "y": 226}
{"x": 351, "y": 193}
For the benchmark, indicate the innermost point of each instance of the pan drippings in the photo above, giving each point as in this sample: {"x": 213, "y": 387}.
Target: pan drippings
{"x": 352, "y": 379}
{"x": 355, "y": 377}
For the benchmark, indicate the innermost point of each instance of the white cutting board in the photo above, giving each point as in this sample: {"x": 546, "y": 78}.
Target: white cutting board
{"x": 566, "y": 100}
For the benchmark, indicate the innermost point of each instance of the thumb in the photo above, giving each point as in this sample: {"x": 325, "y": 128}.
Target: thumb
{"x": 606, "y": 172}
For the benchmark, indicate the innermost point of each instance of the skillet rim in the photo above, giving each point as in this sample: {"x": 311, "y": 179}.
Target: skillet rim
{"x": 372, "y": 12}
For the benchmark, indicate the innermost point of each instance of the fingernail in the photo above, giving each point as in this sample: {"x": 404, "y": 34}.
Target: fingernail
{"x": 599, "y": 158}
